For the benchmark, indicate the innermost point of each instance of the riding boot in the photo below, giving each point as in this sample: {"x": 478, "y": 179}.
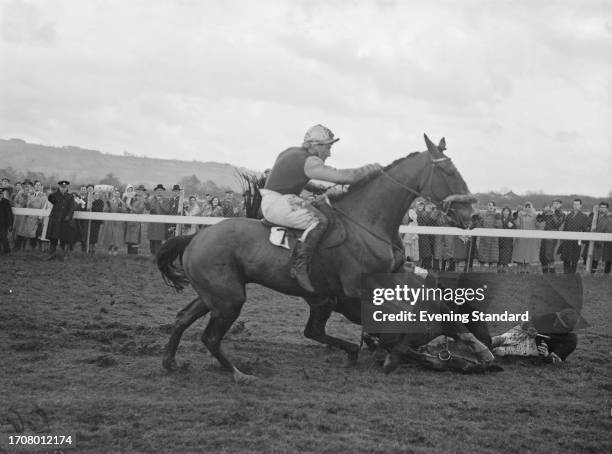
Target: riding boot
{"x": 302, "y": 256}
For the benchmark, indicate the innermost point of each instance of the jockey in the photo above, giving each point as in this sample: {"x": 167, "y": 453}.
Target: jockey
{"x": 291, "y": 173}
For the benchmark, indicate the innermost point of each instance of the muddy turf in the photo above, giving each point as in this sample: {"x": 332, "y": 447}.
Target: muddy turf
{"x": 82, "y": 341}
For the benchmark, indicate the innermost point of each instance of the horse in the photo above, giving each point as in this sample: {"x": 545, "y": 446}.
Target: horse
{"x": 220, "y": 260}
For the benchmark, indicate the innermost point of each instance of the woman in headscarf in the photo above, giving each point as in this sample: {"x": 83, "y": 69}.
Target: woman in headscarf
{"x": 488, "y": 247}
{"x": 505, "y": 244}
{"x": 411, "y": 240}
{"x": 128, "y": 195}
{"x": 526, "y": 251}
{"x": 426, "y": 242}
{"x": 444, "y": 245}
{"x": 113, "y": 235}
{"x": 216, "y": 208}
{"x": 21, "y": 201}
{"x": 133, "y": 230}
{"x": 193, "y": 209}
{"x": 32, "y": 225}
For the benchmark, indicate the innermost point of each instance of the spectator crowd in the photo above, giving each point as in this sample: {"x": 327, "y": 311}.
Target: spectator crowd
{"x": 432, "y": 252}
{"x": 522, "y": 255}
{"x": 61, "y": 229}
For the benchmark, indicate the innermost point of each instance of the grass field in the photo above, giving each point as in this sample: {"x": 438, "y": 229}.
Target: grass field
{"x": 81, "y": 344}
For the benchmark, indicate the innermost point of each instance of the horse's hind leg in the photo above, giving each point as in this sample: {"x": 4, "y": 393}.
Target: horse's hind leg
{"x": 315, "y": 328}
{"x": 212, "y": 336}
{"x": 184, "y": 319}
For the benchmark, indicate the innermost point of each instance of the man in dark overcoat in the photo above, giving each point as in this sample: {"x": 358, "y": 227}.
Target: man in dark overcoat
{"x": 575, "y": 221}
{"x": 6, "y": 218}
{"x": 602, "y": 251}
{"x": 61, "y": 226}
{"x": 156, "y": 232}
{"x": 175, "y": 208}
{"x": 553, "y": 219}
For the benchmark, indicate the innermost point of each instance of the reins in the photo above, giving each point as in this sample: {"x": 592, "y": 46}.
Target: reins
{"x": 440, "y": 204}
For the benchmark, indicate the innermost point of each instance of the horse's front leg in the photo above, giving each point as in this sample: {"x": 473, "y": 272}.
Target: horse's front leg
{"x": 320, "y": 311}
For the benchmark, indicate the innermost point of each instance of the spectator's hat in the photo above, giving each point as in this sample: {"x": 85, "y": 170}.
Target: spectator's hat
{"x": 176, "y": 187}
{"x": 28, "y": 182}
{"x": 140, "y": 187}
{"x": 90, "y": 186}
{"x": 160, "y": 186}
{"x": 5, "y": 179}
{"x": 63, "y": 183}
{"x": 557, "y": 200}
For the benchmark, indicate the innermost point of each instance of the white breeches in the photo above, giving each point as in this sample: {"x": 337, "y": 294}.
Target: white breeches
{"x": 287, "y": 210}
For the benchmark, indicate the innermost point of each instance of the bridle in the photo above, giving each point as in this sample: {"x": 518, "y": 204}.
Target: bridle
{"x": 441, "y": 204}
{"x": 444, "y": 206}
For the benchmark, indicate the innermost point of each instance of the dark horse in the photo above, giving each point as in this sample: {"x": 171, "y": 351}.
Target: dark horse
{"x": 219, "y": 260}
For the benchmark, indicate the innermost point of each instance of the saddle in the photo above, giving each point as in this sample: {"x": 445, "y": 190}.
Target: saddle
{"x": 287, "y": 237}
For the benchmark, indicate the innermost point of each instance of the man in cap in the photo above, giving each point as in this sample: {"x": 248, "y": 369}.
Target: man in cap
{"x": 6, "y": 217}
{"x": 157, "y": 204}
{"x": 553, "y": 218}
{"x": 175, "y": 208}
{"x": 60, "y": 228}
{"x": 6, "y": 184}
{"x": 575, "y": 221}
{"x": 229, "y": 205}
{"x": 281, "y": 203}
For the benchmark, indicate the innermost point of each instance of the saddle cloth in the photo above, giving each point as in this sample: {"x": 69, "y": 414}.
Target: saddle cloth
{"x": 287, "y": 238}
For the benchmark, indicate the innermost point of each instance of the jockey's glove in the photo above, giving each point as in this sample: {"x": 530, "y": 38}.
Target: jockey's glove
{"x": 543, "y": 349}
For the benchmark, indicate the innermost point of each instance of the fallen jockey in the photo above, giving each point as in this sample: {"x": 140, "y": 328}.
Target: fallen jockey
{"x": 281, "y": 202}
{"x": 547, "y": 336}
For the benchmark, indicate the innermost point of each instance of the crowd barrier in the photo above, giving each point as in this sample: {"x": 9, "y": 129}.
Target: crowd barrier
{"x": 424, "y": 230}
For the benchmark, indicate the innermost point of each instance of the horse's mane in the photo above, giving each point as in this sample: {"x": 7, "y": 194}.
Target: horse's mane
{"x": 354, "y": 187}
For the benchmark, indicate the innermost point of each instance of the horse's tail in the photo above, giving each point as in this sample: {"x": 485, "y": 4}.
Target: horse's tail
{"x": 173, "y": 274}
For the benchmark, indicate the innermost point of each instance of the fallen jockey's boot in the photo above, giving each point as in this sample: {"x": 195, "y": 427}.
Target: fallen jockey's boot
{"x": 300, "y": 266}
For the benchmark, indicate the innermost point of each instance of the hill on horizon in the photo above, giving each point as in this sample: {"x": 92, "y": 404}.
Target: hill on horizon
{"x": 81, "y": 166}
{"x": 84, "y": 166}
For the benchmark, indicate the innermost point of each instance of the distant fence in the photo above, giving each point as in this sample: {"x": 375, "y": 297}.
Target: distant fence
{"x": 424, "y": 230}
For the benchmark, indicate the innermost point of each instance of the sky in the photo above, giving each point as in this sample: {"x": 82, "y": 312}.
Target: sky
{"x": 521, "y": 90}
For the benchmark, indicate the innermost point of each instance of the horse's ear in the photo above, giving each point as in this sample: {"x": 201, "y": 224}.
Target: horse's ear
{"x": 442, "y": 144}
{"x": 430, "y": 145}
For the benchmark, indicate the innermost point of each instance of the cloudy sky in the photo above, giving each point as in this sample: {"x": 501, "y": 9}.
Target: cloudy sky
{"x": 522, "y": 90}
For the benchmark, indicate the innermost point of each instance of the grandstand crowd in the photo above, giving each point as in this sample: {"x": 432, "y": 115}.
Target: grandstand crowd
{"x": 437, "y": 252}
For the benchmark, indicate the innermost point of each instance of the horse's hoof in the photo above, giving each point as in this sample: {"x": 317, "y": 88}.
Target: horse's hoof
{"x": 391, "y": 363}
{"x": 485, "y": 355}
{"x": 170, "y": 364}
{"x": 241, "y": 378}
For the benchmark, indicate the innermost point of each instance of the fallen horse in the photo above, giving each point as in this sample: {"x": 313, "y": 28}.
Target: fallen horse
{"x": 364, "y": 229}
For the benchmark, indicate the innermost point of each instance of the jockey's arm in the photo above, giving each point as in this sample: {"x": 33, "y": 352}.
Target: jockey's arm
{"x": 315, "y": 168}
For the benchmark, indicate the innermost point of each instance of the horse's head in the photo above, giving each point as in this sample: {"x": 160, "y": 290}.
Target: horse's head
{"x": 445, "y": 186}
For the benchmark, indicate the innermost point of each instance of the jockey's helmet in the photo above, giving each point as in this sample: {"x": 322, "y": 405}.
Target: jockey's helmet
{"x": 319, "y": 135}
